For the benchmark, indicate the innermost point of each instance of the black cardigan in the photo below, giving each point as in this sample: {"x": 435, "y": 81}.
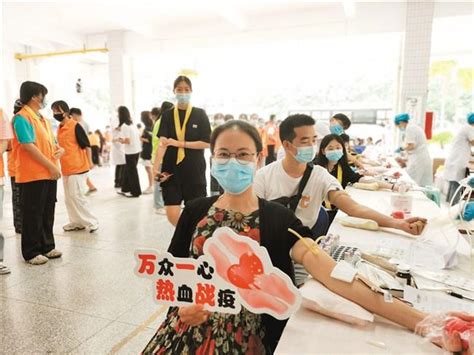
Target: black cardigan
{"x": 274, "y": 236}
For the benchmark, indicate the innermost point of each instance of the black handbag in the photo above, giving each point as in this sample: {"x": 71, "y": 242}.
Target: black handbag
{"x": 292, "y": 202}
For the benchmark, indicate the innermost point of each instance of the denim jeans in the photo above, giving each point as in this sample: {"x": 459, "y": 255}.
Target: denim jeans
{"x": 158, "y": 196}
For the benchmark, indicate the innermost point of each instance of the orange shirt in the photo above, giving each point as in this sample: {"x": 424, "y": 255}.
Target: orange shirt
{"x": 11, "y": 163}
{"x": 94, "y": 139}
{"x": 75, "y": 159}
{"x": 28, "y": 169}
{"x": 272, "y": 132}
{"x": 263, "y": 137}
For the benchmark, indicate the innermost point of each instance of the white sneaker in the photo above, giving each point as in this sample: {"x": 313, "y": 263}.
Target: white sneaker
{"x": 93, "y": 228}
{"x": 129, "y": 194}
{"x": 72, "y": 227}
{"x": 160, "y": 211}
{"x": 53, "y": 254}
{"x": 148, "y": 191}
{"x": 4, "y": 270}
{"x": 38, "y": 260}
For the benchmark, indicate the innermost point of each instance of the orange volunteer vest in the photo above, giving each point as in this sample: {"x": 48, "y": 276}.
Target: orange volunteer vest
{"x": 26, "y": 168}
{"x": 75, "y": 159}
{"x": 11, "y": 163}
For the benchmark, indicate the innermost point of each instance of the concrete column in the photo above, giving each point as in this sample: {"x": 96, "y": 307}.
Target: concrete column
{"x": 415, "y": 57}
{"x": 119, "y": 71}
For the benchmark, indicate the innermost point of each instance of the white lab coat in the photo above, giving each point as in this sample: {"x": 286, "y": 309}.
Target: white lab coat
{"x": 419, "y": 163}
{"x": 117, "y": 155}
{"x": 458, "y": 158}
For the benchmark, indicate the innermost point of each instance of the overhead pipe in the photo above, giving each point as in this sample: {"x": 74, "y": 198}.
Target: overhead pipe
{"x": 20, "y": 56}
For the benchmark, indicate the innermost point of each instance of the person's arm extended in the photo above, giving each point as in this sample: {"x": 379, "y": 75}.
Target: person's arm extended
{"x": 353, "y": 160}
{"x": 320, "y": 267}
{"x": 40, "y": 158}
{"x": 409, "y": 147}
{"x": 382, "y": 184}
{"x": 345, "y": 203}
{"x": 89, "y": 157}
{"x": 160, "y": 153}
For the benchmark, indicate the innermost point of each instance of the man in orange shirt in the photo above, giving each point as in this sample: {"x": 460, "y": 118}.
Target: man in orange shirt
{"x": 75, "y": 163}
{"x": 36, "y": 170}
{"x": 273, "y": 140}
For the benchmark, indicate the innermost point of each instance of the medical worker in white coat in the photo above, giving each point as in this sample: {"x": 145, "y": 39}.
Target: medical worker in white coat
{"x": 419, "y": 163}
{"x": 459, "y": 156}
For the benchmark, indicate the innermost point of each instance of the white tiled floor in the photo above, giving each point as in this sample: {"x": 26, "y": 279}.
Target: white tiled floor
{"x": 88, "y": 301}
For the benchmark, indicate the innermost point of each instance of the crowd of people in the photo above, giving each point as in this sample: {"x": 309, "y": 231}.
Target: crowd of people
{"x": 266, "y": 177}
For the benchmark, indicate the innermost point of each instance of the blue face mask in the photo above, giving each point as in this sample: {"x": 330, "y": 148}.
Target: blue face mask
{"x": 234, "y": 177}
{"x": 336, "y": 129}
{"x": 305, "y": 154}
{"x": 183, "y": 98}
{"x": 334, "y": 155}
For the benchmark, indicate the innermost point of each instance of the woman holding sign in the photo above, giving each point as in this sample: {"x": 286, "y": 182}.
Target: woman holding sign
{"x": 236, "y": 149}
{"x": 179, "y": 164}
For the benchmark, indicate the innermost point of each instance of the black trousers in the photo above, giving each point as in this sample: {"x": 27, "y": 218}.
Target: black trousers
{"x": 38, "y": 201}
{"x": 16, "y": 204}
{"x": 95, "y": 150}
{"x": 130, "y": 180}
{"x": 271, "y": 157}
{"x": 118, "y": 175}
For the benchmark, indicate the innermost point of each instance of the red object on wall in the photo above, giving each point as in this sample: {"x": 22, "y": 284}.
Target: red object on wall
{"x": 429, "y": 124}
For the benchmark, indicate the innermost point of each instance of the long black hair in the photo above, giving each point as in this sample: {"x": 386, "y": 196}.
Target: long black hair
{"x": 124, "y": 116}
{"x": 146, "y": 120}
{"x": 321, "y": 158}
{"x": 242, "y": 126}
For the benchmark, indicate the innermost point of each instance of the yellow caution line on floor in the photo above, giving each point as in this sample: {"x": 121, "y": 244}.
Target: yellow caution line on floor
{"x": 138, "y": 330}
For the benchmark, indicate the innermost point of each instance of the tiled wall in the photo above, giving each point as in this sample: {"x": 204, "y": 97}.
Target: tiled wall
{"x": 416, "y": 57}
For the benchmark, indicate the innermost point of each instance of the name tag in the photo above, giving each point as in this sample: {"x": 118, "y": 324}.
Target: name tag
{"x": 195, "y": 126}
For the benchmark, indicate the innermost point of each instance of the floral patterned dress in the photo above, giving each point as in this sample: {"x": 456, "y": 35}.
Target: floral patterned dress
{"x": 222, "y": 333}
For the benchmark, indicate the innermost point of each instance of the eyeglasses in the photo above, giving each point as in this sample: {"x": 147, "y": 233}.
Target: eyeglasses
{"x": 243, "y": 158}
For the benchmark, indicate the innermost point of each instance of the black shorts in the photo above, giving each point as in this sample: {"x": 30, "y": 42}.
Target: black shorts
{"x": 175, "y": 192}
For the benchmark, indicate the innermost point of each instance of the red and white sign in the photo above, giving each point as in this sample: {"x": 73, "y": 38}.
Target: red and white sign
{"x": 234, "y": 271}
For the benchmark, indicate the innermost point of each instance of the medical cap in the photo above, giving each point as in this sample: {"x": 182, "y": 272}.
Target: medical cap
{"x": 402, "y": 117}
{"x": 470, "y": 117}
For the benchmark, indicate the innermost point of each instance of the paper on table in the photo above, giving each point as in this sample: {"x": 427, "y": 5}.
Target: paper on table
{"x": 445, "y": 278}
{"x": 432, "y": 302}
{"x": 426, "y": 284}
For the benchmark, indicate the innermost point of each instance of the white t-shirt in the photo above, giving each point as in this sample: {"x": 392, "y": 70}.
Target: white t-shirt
{"x": 415, "y": 135}
{"x": 131, "y": 132}
{"x": 117, "y": 155}
{"x": 272, "y": 182}
{"x": 460, "y": 153}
